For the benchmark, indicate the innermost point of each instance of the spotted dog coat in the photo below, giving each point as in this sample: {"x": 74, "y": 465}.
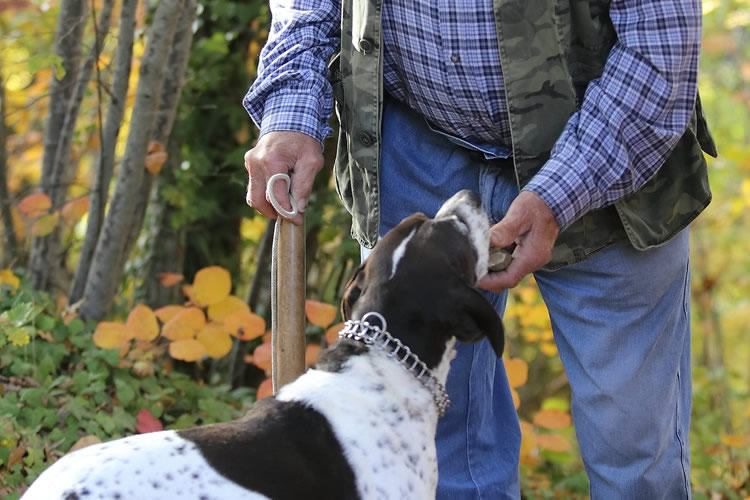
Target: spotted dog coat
{"x": 358, "y": 425}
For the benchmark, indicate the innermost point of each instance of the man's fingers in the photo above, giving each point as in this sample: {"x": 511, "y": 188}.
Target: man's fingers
{"x": 302, "y": 180}
{"x": 508, "y": 230}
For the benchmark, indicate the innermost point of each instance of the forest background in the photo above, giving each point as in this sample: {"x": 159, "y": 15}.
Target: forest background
{"x": 134, "y": 290}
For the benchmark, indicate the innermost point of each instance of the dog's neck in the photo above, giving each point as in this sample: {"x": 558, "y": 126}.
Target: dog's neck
{"x": 372, "y": 403}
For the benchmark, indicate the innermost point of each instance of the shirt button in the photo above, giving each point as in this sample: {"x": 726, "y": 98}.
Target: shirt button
{"x": 455, "y": 58}
{"x": 365, "y": 46}
{"x": 365, "y": 139}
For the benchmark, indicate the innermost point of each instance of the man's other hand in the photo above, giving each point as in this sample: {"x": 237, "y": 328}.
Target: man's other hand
{"x": 532, "y": 226}
{"x": 295, "y": 153}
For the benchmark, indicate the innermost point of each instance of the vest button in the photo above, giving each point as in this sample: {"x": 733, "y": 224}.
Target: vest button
{"x": 365, "y": 139}
{"x": 365, "y": 46}
{"x": 455, "y": 58}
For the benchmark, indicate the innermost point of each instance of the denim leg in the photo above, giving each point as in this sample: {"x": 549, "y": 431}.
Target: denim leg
{"x": 478, "y": 440}
{"x": 622, "y": 327}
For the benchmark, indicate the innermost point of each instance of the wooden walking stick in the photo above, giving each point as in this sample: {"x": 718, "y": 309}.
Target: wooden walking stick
{"x": 287, "y": 293}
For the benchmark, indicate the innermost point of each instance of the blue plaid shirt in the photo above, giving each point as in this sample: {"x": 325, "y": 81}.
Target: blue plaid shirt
{"x": 441, "y": 58}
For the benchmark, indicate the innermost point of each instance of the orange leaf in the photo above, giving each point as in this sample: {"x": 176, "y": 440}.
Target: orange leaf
{"x": 155, "y": 161}
{"x": 185, "y": 324}
{"x": 44, "y": 225}
{"x": 211, "y": 285}
{"x": 245, "y": 325}
{"x": 16, "y": 456}
{"x": 142, "y": 322}
{"x": 155, "y": 147}
{"x": 319, "y": 313}
{"x": 35, "y": 205}
{"x": 145, "y": 422}
{"x": 311, "y": 353}
{"x": 215, "y": 339}
{"x": 167, "y": 312}
{"x": 110, "y": 335}
{"x": 332, "y": 333}
{"x": 262, "y": 357}
{"x": 552, "y": 419}
{"x": 75, "y": 209}
{"x": 229, "y": 305}
{"x": 517, "y": 370}
{"x": 735, "y": 440}
{"x": 170, "y": 279}
{"x": 552, "y": 442}
{"x": 264, "y": 389}
{"x": 187, "y": 290}
{"x": 187, "y": 350}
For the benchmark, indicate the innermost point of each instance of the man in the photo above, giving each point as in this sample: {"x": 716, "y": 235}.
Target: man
{"x": 589, "y": 109}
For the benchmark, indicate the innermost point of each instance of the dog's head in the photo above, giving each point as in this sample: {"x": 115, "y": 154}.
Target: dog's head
{"x": 422, "y": 278}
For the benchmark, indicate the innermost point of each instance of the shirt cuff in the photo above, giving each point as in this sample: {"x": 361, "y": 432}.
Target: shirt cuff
{"x": 563, "y": 185}
{"x": 294, "y": 112}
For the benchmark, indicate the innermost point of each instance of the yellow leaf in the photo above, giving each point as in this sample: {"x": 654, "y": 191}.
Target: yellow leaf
{"x": 211, "y": 285}
{"x": 184, "y": 325}
{"x": 528, "y": 294}
{"x": 245, "y": 325}
{"x": 7, "y": 277}
{"x": 231, "y": 304}
{"x": 517, "y": 370}
{"x": 528, "y": 439}
{"x": 187, "y": 290}
{"x": 75, "y": 209}
{"x": 35, "y": 205}
{"x": 170, "y": 279}
{"x": 84, "y": 442}
{"x": 332, "y": 333}
{"x": 262, "y": 357}
{"x": 264, "y": 389}
{"x": 552, "y": 419}
{"x": 142, "y": 322}
{"x": 548, "y": 348}
{"x": 167, "y": 312}
{"x": 311, "y": 353}
{"x": 44, "y": 225}
{"x": 110, "y": 335}
{"x": 18, "y": 336}
{"x": 553, "y": 442}
{"x": 215, "y": 339}
{"x": 319, "y": 313}
{"x": 187, "y": 350}
{"x": 516, "y": 398}
{"x": 735, "y": 440}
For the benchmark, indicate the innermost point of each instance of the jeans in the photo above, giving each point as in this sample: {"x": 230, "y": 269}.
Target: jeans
{"x": 621, "y": 325}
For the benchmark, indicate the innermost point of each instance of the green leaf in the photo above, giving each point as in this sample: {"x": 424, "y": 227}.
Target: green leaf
{"x": 76, "y": 326}
{"x": 22, "y": 314}
{"x": 45, "y": 323}
{"x": 124, "y": 391}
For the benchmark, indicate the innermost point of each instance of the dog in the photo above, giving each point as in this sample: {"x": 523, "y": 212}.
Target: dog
{"x": 361, "y": 423}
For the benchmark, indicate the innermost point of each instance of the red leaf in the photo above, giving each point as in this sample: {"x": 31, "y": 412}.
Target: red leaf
{"x": 145, "y": 422}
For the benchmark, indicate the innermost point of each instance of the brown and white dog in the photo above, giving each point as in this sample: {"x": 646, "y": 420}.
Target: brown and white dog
{"x": 361, "y": 424}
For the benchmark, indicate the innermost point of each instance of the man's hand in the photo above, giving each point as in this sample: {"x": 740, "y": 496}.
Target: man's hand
{"x": 532, "y": 226}
{"x": 295, "y": 153}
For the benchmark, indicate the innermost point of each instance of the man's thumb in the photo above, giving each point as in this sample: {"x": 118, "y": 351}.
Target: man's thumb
{"x": 505, "y": 232}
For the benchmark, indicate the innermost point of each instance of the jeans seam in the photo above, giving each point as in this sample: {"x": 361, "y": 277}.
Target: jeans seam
{"x": 468, "y": 424}
{"x": 679, "y": 437}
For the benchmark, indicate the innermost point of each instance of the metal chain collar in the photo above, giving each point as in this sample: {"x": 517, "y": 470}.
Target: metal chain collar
{"x": 363, "y": 331}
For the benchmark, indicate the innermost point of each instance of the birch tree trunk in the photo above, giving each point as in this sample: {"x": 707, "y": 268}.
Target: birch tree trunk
{"x": 170, "y": 98}
{"x": 106, "y": 269}
{"x": 10, "y": 244}
{"x": 110, "y": 130}
{"x": 45, "y": 257}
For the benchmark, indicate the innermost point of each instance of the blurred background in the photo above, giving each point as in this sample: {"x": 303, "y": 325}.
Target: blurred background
{"x": 134, "y": 290}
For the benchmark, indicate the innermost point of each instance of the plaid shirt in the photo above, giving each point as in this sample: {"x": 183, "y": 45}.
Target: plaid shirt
{"x": 442, "y": 60}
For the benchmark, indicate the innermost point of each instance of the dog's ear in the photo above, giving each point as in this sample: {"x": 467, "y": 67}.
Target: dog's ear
{"x": 477, "y": 319}
{"x": 352, "y": 292}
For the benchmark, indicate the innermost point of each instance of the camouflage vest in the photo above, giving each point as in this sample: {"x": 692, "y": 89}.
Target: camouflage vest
{"x": 566, "y": 43}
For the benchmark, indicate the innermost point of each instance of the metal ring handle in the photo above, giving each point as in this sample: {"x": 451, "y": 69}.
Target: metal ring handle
{"x": 274, "y": 202}
{"x": 383, "y": 325}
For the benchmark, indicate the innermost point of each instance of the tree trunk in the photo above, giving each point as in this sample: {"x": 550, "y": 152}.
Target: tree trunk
{"x": 45, "y": 255}
{"x": 10, "y": 244}
{"x": 106, "y": 160}
{"x": 106, "y": 271}
{"x": 166, "y": 251}
{"x": 170, "y": 98}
